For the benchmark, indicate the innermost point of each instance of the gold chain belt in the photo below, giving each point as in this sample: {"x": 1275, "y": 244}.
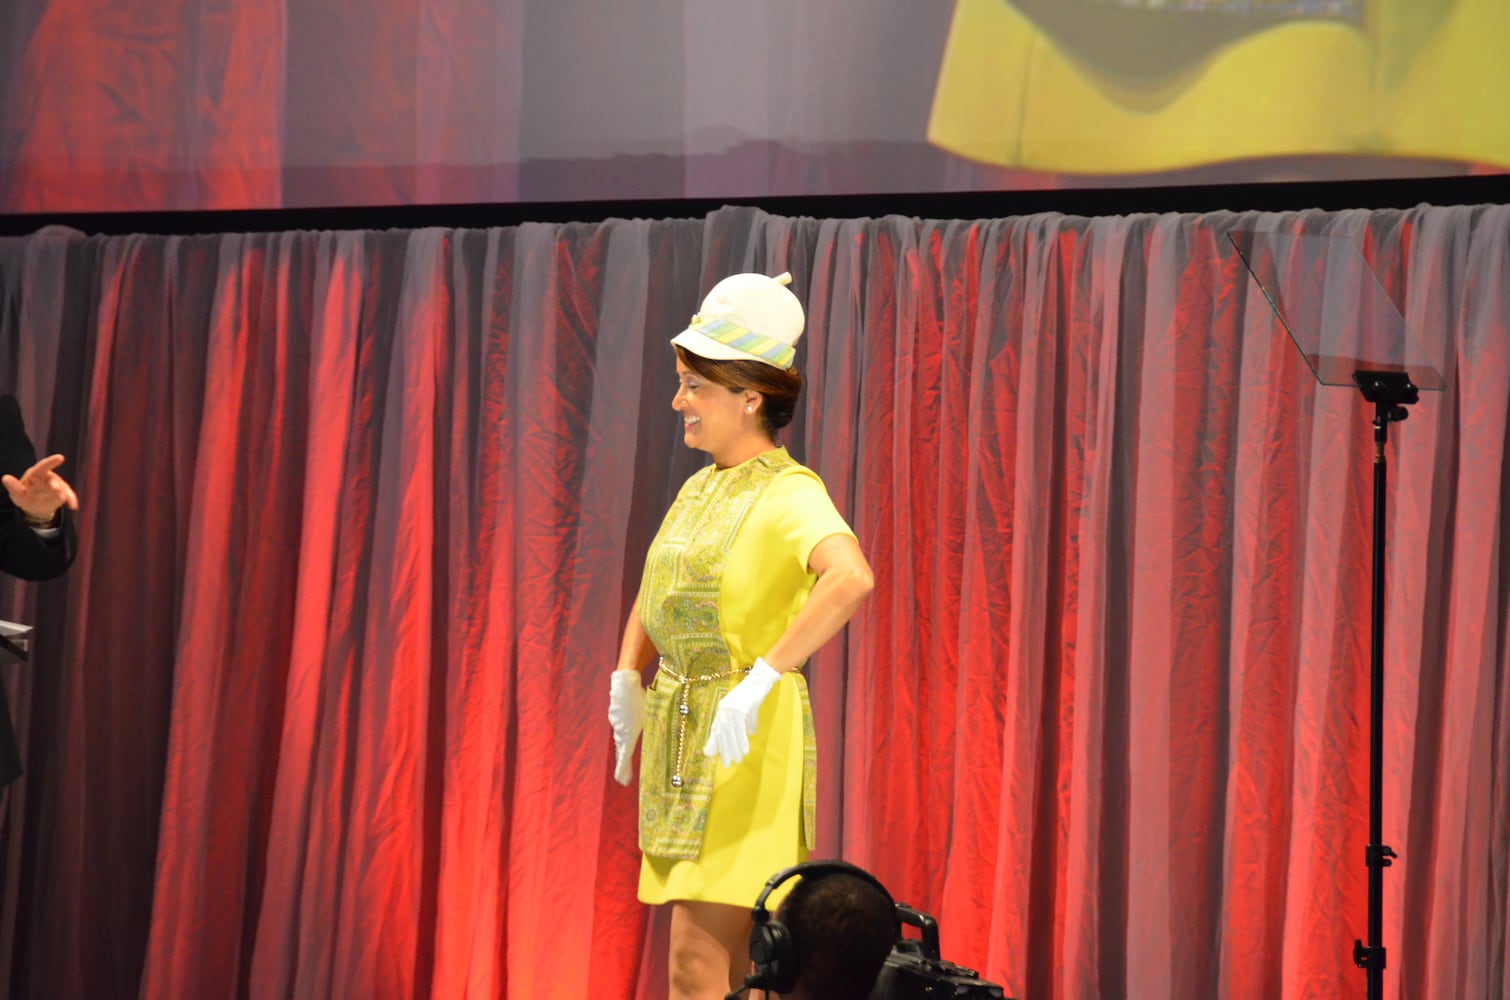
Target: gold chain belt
{"x": 682, "y": 709}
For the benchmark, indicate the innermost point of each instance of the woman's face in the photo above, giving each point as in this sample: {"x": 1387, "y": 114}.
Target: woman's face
{"x": 716, "y": 419}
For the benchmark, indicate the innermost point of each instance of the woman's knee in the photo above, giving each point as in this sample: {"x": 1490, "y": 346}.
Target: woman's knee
{"x": 709, "y": 949}
{"x": 697, "y": 967}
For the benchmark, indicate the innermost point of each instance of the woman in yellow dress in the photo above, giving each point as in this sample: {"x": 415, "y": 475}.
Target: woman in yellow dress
{"x": 751, "y": 572}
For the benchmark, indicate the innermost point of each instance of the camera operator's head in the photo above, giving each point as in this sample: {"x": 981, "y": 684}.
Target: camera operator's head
{"x": 830, "y": 936}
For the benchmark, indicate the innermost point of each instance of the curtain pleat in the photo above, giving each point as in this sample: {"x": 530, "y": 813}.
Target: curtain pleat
{"x": 319, "y": 711}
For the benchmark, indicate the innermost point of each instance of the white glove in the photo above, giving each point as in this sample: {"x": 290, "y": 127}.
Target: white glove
{"x": 626, "y": 714}
{"x": 734, "y": 720}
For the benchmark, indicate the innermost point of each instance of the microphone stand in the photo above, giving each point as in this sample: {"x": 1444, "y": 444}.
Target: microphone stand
{"x": 1390, "y": 392}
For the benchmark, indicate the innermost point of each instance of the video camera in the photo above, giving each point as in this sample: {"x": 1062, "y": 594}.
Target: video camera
{"x": 914, "y": 970}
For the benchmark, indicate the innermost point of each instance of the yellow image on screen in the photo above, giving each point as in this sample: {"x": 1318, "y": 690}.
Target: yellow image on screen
{"x": 1131, "y": 86}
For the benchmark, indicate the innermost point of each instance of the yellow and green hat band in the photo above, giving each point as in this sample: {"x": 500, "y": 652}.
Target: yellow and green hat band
{"x": 767, "y": 349}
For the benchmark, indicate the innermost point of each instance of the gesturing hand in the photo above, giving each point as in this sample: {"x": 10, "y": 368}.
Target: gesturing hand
{"x": 41, "y": 491}
{"x": 734, "y": 719}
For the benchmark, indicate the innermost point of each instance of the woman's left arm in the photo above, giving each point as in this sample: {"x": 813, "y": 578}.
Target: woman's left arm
{"x": 844, "y": 579}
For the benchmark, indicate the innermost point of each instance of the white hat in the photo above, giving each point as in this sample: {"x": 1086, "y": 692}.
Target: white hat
{"x": 746, "y": 317}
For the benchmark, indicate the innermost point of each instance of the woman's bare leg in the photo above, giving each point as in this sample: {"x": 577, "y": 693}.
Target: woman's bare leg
{"x": 710, "y": 949}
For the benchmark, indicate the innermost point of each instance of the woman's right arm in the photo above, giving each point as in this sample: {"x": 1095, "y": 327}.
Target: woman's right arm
{"x": 636, "y": 650}
{"x": 626, "y": 695}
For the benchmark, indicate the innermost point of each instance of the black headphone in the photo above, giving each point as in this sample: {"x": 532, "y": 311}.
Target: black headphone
{"x": 771, "y": 942}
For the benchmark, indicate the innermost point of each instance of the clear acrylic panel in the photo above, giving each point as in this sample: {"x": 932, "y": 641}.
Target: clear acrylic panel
{"x": 1334, "y": 307}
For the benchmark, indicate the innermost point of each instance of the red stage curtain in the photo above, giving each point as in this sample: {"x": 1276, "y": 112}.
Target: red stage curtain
{"x": 231, "y": 104}
{"x": 320, "y": 711}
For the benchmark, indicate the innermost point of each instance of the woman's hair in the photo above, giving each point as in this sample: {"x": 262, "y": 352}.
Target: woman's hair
{"x": 778, "y": 387}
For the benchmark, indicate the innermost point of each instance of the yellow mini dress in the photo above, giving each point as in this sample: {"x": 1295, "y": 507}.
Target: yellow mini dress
{"x": 724, "y": 577}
